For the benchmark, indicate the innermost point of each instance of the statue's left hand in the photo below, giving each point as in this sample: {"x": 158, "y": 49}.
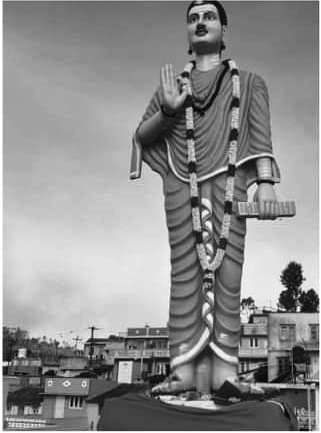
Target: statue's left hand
{"x": 267, "y": 201}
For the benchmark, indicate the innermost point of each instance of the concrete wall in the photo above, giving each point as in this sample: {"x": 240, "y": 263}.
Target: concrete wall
{"x": 136, "y": 370}
{"x": 98, "y": 350}
{"x": 93, "y": 415}
{"x": 30, "y": 370}
{"x": 46, "y": 368}
{"x": 273, "y": 366}
{"x": 301, "y": 322}
{"x": 147, "y": 343}
{"x": 261, "y": 341}
{"x": 49, "y": 406}
{"x": 75, "y": 363}
{"x": 278, "y": 347}
{"x": 73, "y": 412}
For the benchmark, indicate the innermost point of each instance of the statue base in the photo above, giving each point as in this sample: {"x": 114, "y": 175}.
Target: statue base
{"x": 140, "y": 412}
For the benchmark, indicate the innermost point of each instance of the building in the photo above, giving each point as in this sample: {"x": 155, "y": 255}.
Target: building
{"x": 72, "y": 366}
{"x": 103, "y": 349}
{"x": 25, "y": 401}
{"x": 285, "y": 331}
{"x": 145, "y": 353}
{"x": 50, "y": 367}
{"x": 100, "y": 354}
{"x": 9, "y": 385}
{"x": 253, "y": 351}
{"x": 65, "y": 401}
{"x": 24, "y": 367}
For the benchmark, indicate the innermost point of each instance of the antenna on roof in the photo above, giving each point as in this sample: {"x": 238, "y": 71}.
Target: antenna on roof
{"x": 91, "y": 350}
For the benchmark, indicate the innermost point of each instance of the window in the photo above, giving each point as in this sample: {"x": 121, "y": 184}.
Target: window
{"x": 283, "y": 364}
{"x": 287, "y": 333}
{"x": 28, "y": 410}
{"x": 150, "y": 344}
{"x": 76, "y": 402}
{"x": 254, "y": 342}
{"x": 314, "y": 332}
{"x": 161, "y": 368}
{"x": 244, "y": 366}
{"x": 13, "y": 410}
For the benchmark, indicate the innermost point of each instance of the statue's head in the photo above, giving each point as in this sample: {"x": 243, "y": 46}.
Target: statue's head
{"x": 206, "y": 24}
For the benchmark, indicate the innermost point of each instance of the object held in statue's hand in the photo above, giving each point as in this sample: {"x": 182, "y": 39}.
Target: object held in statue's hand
{"x": 250, "y": 209}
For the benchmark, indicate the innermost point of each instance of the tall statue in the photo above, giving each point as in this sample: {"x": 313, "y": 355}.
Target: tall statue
{"x": 206, "y": 132}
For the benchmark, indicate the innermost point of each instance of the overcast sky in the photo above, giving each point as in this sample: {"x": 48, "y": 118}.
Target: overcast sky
{"x": 84, "y": 245}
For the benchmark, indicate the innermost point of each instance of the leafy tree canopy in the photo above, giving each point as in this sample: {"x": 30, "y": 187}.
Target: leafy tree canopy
{"x": 309, "y": 301}
{"x": 294, "y": 297}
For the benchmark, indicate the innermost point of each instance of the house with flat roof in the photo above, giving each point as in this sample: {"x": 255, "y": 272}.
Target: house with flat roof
{"x": 145, "y": 354}
{"x": 287, "y": 331}
{"x": 253, "y": 350}
{"x": 65, "y": 401}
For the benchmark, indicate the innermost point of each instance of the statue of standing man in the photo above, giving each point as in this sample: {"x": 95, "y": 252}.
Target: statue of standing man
{"x": 207, "y": 133}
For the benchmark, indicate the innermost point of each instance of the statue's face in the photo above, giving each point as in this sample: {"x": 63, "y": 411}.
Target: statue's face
{"x": 204, "y": 29}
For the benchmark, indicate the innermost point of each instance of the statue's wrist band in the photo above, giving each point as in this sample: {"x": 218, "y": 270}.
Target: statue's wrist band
{"x": 166, "y": 114}
{"x": 264, "y": 168}
{"x": 270, "y": 181}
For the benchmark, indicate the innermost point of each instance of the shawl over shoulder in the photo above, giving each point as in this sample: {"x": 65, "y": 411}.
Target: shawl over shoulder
{"x": 169, "y": 152}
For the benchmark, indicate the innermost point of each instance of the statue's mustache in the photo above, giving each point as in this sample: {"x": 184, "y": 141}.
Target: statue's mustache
{"x": 201, "y": 28}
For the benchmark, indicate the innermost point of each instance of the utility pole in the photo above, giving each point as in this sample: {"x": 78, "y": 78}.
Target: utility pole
{"x": 56, "y": 343}
{"x": 91, "y": 349}
{"x": 77, "y": 339}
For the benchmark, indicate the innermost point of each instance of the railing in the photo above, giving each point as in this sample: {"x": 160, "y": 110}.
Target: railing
{"x": 254, "y": 329}
{"x": 24, "y": 423}
{"x": 26, "y": 363}
{"x": 253, "y": 352}
{"x": 137, "y": 354}
{"x": 311, "y": 345}
{"x": 288, "y": 344}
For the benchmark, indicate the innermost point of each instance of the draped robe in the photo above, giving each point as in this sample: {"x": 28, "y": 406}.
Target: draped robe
{"x": 168, "y": 157}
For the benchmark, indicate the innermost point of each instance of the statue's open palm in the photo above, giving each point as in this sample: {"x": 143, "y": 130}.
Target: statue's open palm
{"x": 174, "y": 91}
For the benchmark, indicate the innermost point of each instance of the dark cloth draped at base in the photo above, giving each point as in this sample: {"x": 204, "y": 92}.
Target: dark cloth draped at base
{"x": 135, "y": 412}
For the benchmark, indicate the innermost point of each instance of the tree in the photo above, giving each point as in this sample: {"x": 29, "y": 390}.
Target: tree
{"x": 247, "y": 307}
{"x": 13, "y": 339}
{"x": 292, "y": 278}
{"x": 248, "y": 302}
{"x": 287, "y": 301}
{"x": 309, "y": 301}
{"x": 8, "y": 343}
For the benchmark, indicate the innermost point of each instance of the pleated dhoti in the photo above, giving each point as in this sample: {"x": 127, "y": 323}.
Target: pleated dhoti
{"x": 185, "y": 321}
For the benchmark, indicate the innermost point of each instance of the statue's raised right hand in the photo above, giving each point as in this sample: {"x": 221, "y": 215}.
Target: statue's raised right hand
{"x": 174, "y": 91}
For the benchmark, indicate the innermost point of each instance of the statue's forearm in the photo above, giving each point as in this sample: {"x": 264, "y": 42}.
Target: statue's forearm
{"x": 264, "y": 170}
{"x": 151, "y": 129}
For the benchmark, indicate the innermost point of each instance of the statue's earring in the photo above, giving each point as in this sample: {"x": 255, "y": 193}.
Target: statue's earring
{"x": 190, "y": 51}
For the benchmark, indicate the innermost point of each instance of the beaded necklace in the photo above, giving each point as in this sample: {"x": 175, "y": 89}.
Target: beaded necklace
{"x": 208, "y": 267}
